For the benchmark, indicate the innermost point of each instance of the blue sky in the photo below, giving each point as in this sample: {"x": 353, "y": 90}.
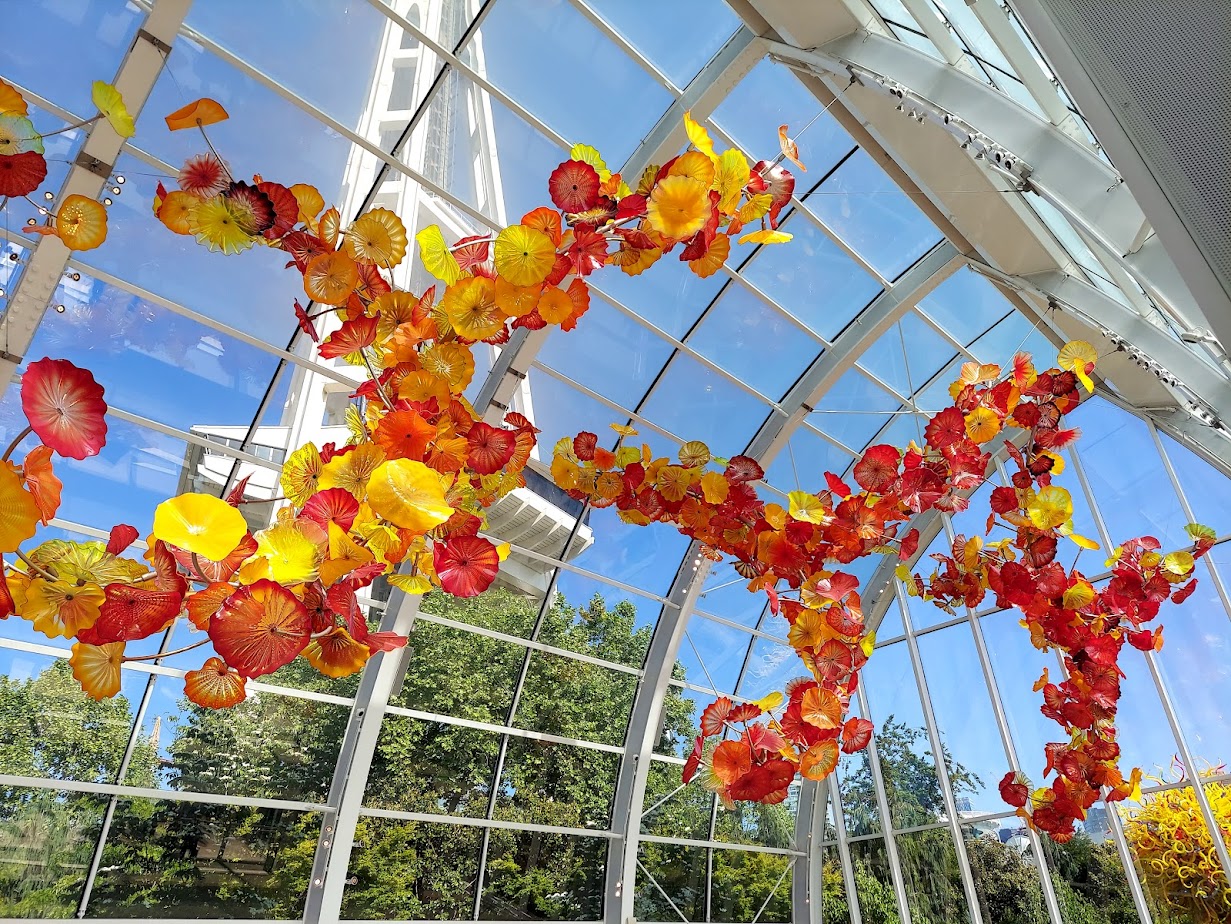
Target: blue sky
{"x": 554, "y": 62}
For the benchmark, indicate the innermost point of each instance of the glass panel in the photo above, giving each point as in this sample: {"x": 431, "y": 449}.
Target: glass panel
{"x": 1006, "y": 878}
{"x": 713, "y": 655}
{"x": 771, "y": 95}
{"x": 52, "y": 730}
{"x": 409, "y": 870}
{"x": 269, "y": 746}
{"x": 432, "y": 767}
{"x": 849, "y": 409}
{"x": 707, "y": 25}
{"x": 695, "y": 403}
{"x": 725, "y": 593}
{"x": 907, "y": 766}
{"x": 771, "y": 665}
{"x": 675, "y": 810}
{"x": 873, "y": 884}
{"x": 964, "y": 718}
{"x": 1207, "y": 490}
{"x": 557, "y": 784}
{"x": 521, "y": 31}
{"x": 1195, "y": 664}
{"x": 803, "y": 462}
{"x": 740, "y": 332}
{"x": 907, "y": 355}
{"x": 681, "y": 713}
{"x": 601, "y": 621}
{"x": 933, "y": 882}
{"x": 47, "y": 840}
{"x": 873, "y": 215}
{"x": 860, "y": 810}
{"x": 93, "y": 36}
{"x": 203, "y": 377}
{"x": 285, "y": 31}
{"x": 648, "y": 559}
{"x": 746, "y": 884}
{"x": 680, "y": 874}
{"x": 188, "y": 859}
{"x": 834, "y": 904}
{"x": 816, "y": 282}
{"x": 441, "y": 656}
{"x": 965, "y": 305}
{"x": 572, "y": 698}
{"x": 767, "y": 825}
{"x": 552, "y": 877}
{"x": 610, "y": 354}
{"x": 1089, "y": 880}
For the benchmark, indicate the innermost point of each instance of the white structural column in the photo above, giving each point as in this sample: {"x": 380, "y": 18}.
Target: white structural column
{"x": 629, "y": 800}
{"x": 350, "y": 777}
{"x": 89, "y": 174}
{"x": 1063, "y": 171}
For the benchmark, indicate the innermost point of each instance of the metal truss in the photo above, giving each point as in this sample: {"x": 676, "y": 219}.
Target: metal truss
{"x": 1028, "y": 150}
{"x": 90, "y": 173}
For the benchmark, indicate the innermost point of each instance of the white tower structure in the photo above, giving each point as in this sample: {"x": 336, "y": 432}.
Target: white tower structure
{"x": 453, "y": 144}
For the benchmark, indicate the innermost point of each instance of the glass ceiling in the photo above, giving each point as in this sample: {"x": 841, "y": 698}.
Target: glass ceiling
{"x": 505, "y": 791}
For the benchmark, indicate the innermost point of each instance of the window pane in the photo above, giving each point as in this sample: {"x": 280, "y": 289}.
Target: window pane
{"x": 557, "y": 784}
{"x": 432, "y": 767}
{"x": 409, "y": 870}
{"x": 680, "y": 874}
{"x": 835, "y": 908}
{"x": 188, "y": 859}
{"x": 567, "y": 697}
{"x": 707, "y": 25}
{"x": 682, "y": 814}
{"x": 1089, "y": 880}
{"x": 743, "y": 882}
{"x": 767, "y": 825}
{"x": 440, "y": 657}
{"x": 1006, "y": 878}
{"x": 873, "y": 884}
{"x": 47, "y": 841}
{"x": 553, "y": 877}
{"x": 933, "y": 883}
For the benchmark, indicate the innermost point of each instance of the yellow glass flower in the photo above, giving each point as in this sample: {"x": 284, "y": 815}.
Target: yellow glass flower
{"x": 216, "y": 226}
{"x": 337, "y": 654}
{"x": 301, "y": 474}
{"x": 450, "y": 361}
{"x": 470, "y": 306}
{"x": 19, "y": 514}
{"x": 97, "y": 668}
{"x": 111, "y": 104}
{"x": 523, "y": 255}
{"x": 377, "y": 236}
{"x": 81, "y": 222}
{"x": 351, "y": 471}
{"x": 200, "y": 523}
{"x": 982, "y": 424}
{"x": 679, "y": 207}
{"x": 1050, "y": 507}
{"x": 285, "y": 554}
{"x": 62, "y": 608}
{"x": 408, "y": 494}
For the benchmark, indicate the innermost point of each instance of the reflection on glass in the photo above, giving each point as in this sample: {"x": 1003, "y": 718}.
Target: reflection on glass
{"x": 744, "y": 883}
{"x": 432, "y": 767}
{"x": 679, "y": 875}
{"x": 556, "y": 784}
{"x": 536, "y": 876}
{"x": 409, "y": 870}
{"x": 873, "y": 883}
{"x": 933, "y": 882}
{"x": 1006, "y": 877}
{"x": 189, "y": 859}
{"x": 47, "y": 840}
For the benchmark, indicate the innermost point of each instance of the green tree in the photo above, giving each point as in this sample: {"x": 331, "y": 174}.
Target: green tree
{"x": 50, "y": 730}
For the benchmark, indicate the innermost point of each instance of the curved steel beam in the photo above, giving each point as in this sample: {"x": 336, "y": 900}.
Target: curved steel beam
{"x": 1045, "y": 159}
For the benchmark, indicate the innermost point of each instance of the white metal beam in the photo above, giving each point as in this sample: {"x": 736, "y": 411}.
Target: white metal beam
{"x": 89, "y": 174}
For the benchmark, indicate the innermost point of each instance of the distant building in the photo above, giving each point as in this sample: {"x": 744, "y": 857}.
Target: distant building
{"x": 1097, "y": 824}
